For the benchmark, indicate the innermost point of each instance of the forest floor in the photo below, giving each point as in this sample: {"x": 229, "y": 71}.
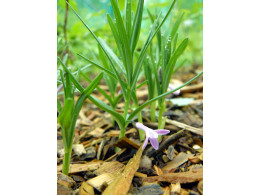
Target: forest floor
{"x": 175, "y": 168}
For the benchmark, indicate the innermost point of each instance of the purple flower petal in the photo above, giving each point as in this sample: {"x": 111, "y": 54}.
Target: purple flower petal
{"x": 154, "y": 143}
{"x": 171, "y": 87}
{"x": 142, "y": 127}
{"x": 145, "y": 142}
{"x": 162, "y": 131}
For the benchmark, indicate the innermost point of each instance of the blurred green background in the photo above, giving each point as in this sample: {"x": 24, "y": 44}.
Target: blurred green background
{"x": 79, "y": 40}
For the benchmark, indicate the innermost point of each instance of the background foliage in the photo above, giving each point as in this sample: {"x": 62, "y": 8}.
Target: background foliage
{"x": 94, "y": 14}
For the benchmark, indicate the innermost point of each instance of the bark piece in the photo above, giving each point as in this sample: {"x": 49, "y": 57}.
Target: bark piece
{"x": 177, "y": 161}
{"x": 184, "y": 177}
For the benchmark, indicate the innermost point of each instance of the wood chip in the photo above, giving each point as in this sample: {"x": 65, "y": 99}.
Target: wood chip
{"x": 200, "y": 186}
{"x": 177, "y": 161}
{"x": 116, "y": 133}
{"x": 65, "y": 180}
{"x": 124, "y": 142}
{"x": 158, "y": 170}
{"x": 90, "y": 166}
{"x": 102, "y": 181}
{"x": 192, "y": 88}
{"x": 184, "y": 177}
{"x": 62, "y": 190}
{"x": 175, "y": 188}
{"x": 198, "y": 131}
{"x": 86, "y": 189}
{"x": 109, "y": 167}
{"x": 167, "y": 190}
{"x": 138, "y": 174}
{"x": 122, "y": 183}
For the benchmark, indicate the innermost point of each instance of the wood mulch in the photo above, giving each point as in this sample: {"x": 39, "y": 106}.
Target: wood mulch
{"x": 175, "y": 168}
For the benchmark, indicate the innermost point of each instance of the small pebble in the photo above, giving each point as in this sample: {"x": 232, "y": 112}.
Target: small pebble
{"x": 196, "y": 147}
{"x": 146, "y": 162}
{"x": 79, "y": 149}
{"x": 165, "y": 158}
{"x": 171, "y": 152}
{"x": 90, "y": 153}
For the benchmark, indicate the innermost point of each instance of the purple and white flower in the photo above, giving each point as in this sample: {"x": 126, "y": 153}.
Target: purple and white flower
{"x": 151, "y": 135}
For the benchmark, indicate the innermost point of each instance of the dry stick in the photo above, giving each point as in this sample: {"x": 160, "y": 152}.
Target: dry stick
{"x": 186, "y": 127}
{"x": 173, "y": 138}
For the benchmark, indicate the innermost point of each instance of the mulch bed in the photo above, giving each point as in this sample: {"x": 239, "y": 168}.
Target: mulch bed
{"x": 176, "y": 168}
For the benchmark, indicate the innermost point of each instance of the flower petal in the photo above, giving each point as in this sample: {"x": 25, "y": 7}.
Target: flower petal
{"x": 171, "y": 87}
{"x": 162, "y": 131}
{"x": 145, "y": 142}
{"x": 143, "y": 127}
{"x": 154, "y": 143}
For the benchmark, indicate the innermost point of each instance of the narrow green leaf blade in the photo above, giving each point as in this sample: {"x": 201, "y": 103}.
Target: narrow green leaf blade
{"x": 136, "y": 111}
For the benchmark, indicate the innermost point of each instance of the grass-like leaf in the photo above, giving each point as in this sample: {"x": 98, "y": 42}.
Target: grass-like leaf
{"x": 136, "y": 25}
{"x": 136, "y": 111}
{"x": 152, "y": 33}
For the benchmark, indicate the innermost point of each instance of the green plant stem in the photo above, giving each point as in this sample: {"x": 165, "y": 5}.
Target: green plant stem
{"x": 122, "y": 132}
{"x": 161, "y": 119}
{"x": 152, "y": 111}
{"x": 66, "y": 162}
{"x": 141, "y": 133}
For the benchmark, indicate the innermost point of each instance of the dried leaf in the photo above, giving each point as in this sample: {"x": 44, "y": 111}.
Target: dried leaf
{"x": 122, "y": 183}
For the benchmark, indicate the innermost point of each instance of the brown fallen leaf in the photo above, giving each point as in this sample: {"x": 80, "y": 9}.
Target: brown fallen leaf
{"x": 184, "y": 177}
{"x": 123, "y": 181}
{"x": 176, "y": 162}
{"x": 90, "y": 166}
